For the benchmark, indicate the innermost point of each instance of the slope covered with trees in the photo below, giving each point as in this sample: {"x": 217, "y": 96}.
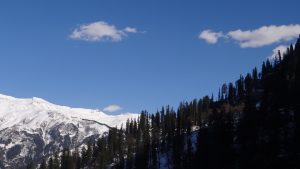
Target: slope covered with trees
{"x": 253, "y": 123}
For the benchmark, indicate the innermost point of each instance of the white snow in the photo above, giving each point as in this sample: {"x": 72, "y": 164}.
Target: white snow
{"x": 30, "y": 123}
{"x": 34, "y": 113}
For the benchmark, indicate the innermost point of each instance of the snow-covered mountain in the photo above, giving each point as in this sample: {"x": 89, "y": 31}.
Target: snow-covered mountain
{"x": 32, "y": 128}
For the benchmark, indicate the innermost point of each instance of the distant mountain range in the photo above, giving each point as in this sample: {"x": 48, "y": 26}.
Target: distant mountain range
{"x": 33, "y": 128}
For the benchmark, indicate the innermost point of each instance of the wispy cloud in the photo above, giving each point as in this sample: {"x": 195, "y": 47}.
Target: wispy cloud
{"x": 112, "y": 108}
{"x": 281, "y": 48}
{"x": 130, "y": 30}
{"x": 210, "y": 36}
{"x": 265, "y": 35}
{"x": 101, "y": 31}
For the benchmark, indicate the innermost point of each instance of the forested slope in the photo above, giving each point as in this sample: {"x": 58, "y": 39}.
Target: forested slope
{"x": 253, "y": 123}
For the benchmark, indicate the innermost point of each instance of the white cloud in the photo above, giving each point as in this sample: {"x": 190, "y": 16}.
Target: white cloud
{"x": 265, "y": 35}
{"x": 210, "y": 36}
{"x": 281, "y": 48}
{"x": 130, "y": 30}
{"x": 112, "y": 108}
{"x": 100, "y": 31}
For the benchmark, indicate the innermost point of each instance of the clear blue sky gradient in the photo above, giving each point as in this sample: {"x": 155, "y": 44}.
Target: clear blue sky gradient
{"x": 165, "y": 65}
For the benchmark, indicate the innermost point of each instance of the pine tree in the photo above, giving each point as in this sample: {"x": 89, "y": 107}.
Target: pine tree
{"x": 30, "y": 166}
{"x": 102, "y": 159}
{"x": 65, "y": 159}
{"x": 231, "y": 94}
{"x": 50, "y": 163}
{"x": 43, "y": 164}
{"x": 56, "y": 164}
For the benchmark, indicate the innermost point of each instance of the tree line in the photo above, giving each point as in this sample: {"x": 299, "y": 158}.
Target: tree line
{"x": 253, "y": 123}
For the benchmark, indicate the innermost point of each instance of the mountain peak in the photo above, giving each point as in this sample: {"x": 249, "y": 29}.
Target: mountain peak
{"x": 34, "y": 123}
{"x": 33, "y": 99}
{"x": 37, "y": 99}
{"x": 2, "y": 96}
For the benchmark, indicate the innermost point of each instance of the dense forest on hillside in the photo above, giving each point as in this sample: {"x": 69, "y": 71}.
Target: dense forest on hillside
{"x": 253, "y": 123}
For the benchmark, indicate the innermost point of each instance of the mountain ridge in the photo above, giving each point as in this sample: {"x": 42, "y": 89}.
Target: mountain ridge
{"x": 34, "y": 124}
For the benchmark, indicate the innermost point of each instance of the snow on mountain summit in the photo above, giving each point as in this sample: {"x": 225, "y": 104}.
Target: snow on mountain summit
{"x": 14, "y": 111}
{"x": 34, "y": 123}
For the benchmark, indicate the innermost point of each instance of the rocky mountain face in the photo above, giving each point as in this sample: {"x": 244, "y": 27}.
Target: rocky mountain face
{"x": 33, "y": 128}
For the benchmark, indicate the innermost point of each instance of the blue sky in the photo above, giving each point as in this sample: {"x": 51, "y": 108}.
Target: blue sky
{"x": 160, "y": 60}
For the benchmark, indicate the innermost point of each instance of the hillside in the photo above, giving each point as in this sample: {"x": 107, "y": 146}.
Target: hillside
{"x": 33, "y": 128}
{"x": 253, "y": 123}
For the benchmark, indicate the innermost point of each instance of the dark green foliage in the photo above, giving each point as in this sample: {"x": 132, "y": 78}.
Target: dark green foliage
{"x": 43, "y": 165}
{"x": 30, "y": 166}
{"x": 255, "y": 123}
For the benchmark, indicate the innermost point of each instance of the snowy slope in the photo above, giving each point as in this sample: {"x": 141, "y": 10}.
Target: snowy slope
{"x": 31, "y": 128}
